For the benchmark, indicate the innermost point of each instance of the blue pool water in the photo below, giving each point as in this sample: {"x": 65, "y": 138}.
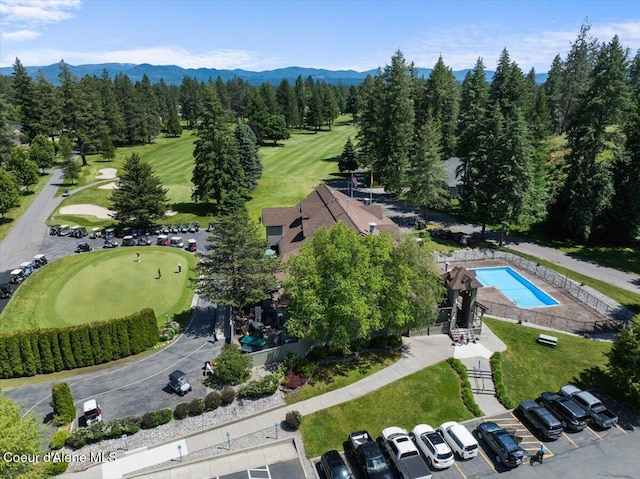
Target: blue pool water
{"x": 514, "y": 286}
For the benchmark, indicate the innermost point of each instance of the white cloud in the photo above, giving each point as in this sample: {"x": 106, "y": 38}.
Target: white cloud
{"x": 20, "y": 16}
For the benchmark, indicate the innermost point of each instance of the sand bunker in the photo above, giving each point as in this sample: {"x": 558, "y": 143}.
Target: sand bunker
{"x": 107, "y": 174}
{"x": 109, "y": 186}
{"x": 170, "y": 213}
{"x": 85, "y": 209}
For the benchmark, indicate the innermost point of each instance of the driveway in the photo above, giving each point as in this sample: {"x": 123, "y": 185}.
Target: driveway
{"x": 139, "y": 386}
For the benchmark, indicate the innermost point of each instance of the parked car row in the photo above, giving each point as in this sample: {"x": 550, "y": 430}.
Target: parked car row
{"x": 19, "y": 274}
{"x": 81, "y": 232}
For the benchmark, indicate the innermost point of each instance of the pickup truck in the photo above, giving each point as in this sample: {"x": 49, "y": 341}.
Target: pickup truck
{"x": 404, "y": 454}
{"x": 369, "y": 455}
{"x": 597, "y": 413}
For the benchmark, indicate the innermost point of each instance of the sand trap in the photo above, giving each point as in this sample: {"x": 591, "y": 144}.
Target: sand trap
{"x": 85, "y": 209}
{"x": 170, "y": 213}
{"x": 109, "y": 186}
{"x": 107, "y": 174}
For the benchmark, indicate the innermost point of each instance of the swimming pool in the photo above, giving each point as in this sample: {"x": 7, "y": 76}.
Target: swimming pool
{"x": 514, "y": 286}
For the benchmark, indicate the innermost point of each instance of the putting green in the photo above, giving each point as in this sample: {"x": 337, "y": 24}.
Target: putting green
{"x": 102, "y": 285}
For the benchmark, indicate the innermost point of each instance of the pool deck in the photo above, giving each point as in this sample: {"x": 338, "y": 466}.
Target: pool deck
{"x": 581, "y": 317}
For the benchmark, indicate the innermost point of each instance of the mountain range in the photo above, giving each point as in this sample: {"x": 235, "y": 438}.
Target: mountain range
{"x": 173, "y": 74}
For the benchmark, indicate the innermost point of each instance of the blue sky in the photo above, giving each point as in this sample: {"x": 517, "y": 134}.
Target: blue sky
{"x": 263, "y": 35}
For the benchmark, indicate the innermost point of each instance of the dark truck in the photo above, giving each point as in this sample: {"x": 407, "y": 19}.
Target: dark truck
{"x": 597, "y": 413}
{"x": 369, "y": 455}
{"x": 404, "y": 454}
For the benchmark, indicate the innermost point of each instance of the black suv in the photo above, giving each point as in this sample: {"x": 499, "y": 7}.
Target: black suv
{"x": 333, "y": 466}
{"x": 541, "y": 419}
{"x": 569, "y": 413}
{"x": 502, "y": 443}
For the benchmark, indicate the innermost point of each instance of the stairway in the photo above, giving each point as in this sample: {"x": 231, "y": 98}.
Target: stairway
{"x": 480, "y": 377}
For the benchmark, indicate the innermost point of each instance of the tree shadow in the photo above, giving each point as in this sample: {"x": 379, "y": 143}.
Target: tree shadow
{"x": 6, "y": 220}
{"x": 333, "y": 159}
{"x": 197, "y": 209}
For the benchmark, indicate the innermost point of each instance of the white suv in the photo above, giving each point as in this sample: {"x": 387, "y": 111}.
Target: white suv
{"x": 434, "y": 447}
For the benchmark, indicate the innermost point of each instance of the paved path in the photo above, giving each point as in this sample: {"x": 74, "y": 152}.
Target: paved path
{"x": 419, "y": 353}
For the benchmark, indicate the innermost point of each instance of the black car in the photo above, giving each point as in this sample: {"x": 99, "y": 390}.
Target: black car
{"x": 333, "y": 466}
{"x": 569, "y": 413}
{"x": 83, "y": 247}
{"x": 541, "y": 419}
{"x": 5, "y": 290}
{"x": 502, "y": 443}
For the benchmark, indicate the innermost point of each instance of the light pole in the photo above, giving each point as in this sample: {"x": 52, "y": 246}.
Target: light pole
{"x": 228, "y": 440}
{"x": 276, "y": 426}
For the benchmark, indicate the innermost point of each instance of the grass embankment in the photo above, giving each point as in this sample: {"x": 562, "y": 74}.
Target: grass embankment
{"x": 329, "y": 377}
{"x": 430, "y": 396}
{"x": 9, "y": 219}
{"x": 530, "y": 368}
{"x": 102, "y": 285}
{"x": 626, "y": 298}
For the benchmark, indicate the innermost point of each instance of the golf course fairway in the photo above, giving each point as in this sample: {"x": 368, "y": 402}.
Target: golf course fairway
{"x": 101, "y": 285}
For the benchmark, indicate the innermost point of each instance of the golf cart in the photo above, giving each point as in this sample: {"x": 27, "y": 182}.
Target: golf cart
{"x": 27, "y": 268}
{"x": 210, "y": 227}
{"x": 143, "y": 241}
{"x": 176, "y": 242}
{"x": 95, "y": 233}
{"x": 109, "y": 233}
{"x": 163, "y": 240}
{"x": 5, "y": 290}
{"x": 66, "y": 193}
{"x": 17, "y": 276}
{"x": 92, "y": 412}
{"x": 53, "y": 231}
{"x": 128, "y": 241}
{"x": 178, "y": 382}
{"x": 63, "y": 230}
{"x": 191, "y": 245}
{"x": 83, "y": 247}
{"x": 39, "y": 261}
{"x": 110, "y": 244}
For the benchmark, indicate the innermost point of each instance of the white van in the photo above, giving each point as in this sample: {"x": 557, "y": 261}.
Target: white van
{"x": 460, "y": 440}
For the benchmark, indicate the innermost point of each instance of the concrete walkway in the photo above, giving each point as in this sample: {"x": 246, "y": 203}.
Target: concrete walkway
{"x": 419, "y": 352}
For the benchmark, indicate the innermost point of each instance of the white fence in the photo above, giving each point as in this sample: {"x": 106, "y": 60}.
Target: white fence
{"x": 607, "y": 307}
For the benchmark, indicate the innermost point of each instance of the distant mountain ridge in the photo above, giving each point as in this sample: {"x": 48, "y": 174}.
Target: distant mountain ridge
{"x": 173, "y": 74}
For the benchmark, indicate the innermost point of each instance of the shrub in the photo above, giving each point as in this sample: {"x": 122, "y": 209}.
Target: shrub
{"x": 227, "y": 395}
{"x": 96, "y": 432}
{"x": 231, "y": 366}
{"x": 293, "y": 419}
{"x": 466, "y": 392}
{"x": 78, "y": 438}
{"x": 266, "y": 386}
{"x": 395, "y": 341}
{"x": 126, "y": 425}
{"x": 212, "y": 401}
{"x": 55, "y": 468}
{"x": 320, "y": 353}
{"x": 501, "y": 391}
{"x": 181, "y": 411}
{"x": 64, "y": 411}
{"x": 305, "y": 367}
{"x": 170, "y": 330}
{"x": 196, "y": 407}
{"x": 58, "y": 439}
{"x": 153, "y": 419}
{"x": 294, "y": 380}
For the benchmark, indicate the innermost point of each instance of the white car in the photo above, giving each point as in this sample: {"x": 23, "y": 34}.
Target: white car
{"x": 434, "y": 447}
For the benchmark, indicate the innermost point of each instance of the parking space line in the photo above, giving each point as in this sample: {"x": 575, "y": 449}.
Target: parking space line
{"x": 564, "y": 434}
{"x": 595, "y": 434}
{"x": 460, "y": 470}
{"x": 487, "y": 460}
{"x": 618, "y": 427}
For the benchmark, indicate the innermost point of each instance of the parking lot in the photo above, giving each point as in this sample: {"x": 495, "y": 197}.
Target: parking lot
{"x": 590, "y": 453}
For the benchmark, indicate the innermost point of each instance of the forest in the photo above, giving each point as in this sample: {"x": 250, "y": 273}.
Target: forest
{"x": 563, "y": 156}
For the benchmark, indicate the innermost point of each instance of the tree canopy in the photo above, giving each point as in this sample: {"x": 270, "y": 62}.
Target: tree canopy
{"x": 343, "y": 286}
{"x": 139, "y": 197}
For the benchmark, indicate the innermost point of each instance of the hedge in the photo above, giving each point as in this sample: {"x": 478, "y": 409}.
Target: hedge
{"x": 466, "y": 393}
{"x": 501, "y": 391}
{"x": 58, "y": 439}
{"x": 43, "y": 351}
{"x": 266, "y": 386}
{"x": 62, "y": 403}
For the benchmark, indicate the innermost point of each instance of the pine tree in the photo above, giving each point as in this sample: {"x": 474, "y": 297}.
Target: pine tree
{"x": 27, "y": 101}
{"x": 106, "y": 147}
{"x": 300, "y": 99}
{"x": 349, "y": 159}
{"x": 442, "y": 105}
{"x": 217, "y": 172}
{"x": 353, "y": 103}
{"x": 140, "y": 197}
{"x": 173, "y": 126}
{"x": 248, "y": 151}
{"x": 287, "y": 103}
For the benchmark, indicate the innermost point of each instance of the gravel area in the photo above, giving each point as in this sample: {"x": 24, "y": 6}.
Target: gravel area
{"x": 177, "y": 429}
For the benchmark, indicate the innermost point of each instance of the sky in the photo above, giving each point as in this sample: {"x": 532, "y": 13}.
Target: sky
{"x": 336, "y": 35}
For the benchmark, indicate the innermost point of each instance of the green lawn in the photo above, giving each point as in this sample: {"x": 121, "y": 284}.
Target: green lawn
{"x": 329, "y": 377}
{"x": 430, "y": 396}
{"x": 530, "y": 368}
{"x": 101, "y": 285}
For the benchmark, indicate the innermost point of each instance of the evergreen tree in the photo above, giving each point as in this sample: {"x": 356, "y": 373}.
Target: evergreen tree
{"x": 235, "y": 269}
{"x": 426, "y": 178}
{"x": 248, "y": 151}
{"x": 369, "y": 134}
{"x": 48, "y": 105}
{"x": 113, "y": 114}
{"x": 287, "y": 103}
{"x": 173, "y": 126}
{"x": 148, "y": 104}
{"x": 106, "y": 147}
{"x": 70, "y": 169}
{"x": 554, "y": 88}
{"x": 330, "y": 110}
{"x": 442, "y": 106}
{"x": 140, "y": 197}
{"x": 9, "y": 192}
{"x": 27, "y": 101}
{"x": 353, "y": 103}
{"x": 65, "y": 147}
{"x": 300, "y": 99}
{"x": 223, "y": 96}
{"x": 269, "y": 98}
{"x": 22, "y": 168}
{"x": 217, "y": 172}
{"x": 349, "y": 159}
{"x": 275, "y": 128}
{"x": 129, "y": 107}
{"x": 42, "y": 152}
{"x": 315, "y": 115}
{"x": 191, "y": 98}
